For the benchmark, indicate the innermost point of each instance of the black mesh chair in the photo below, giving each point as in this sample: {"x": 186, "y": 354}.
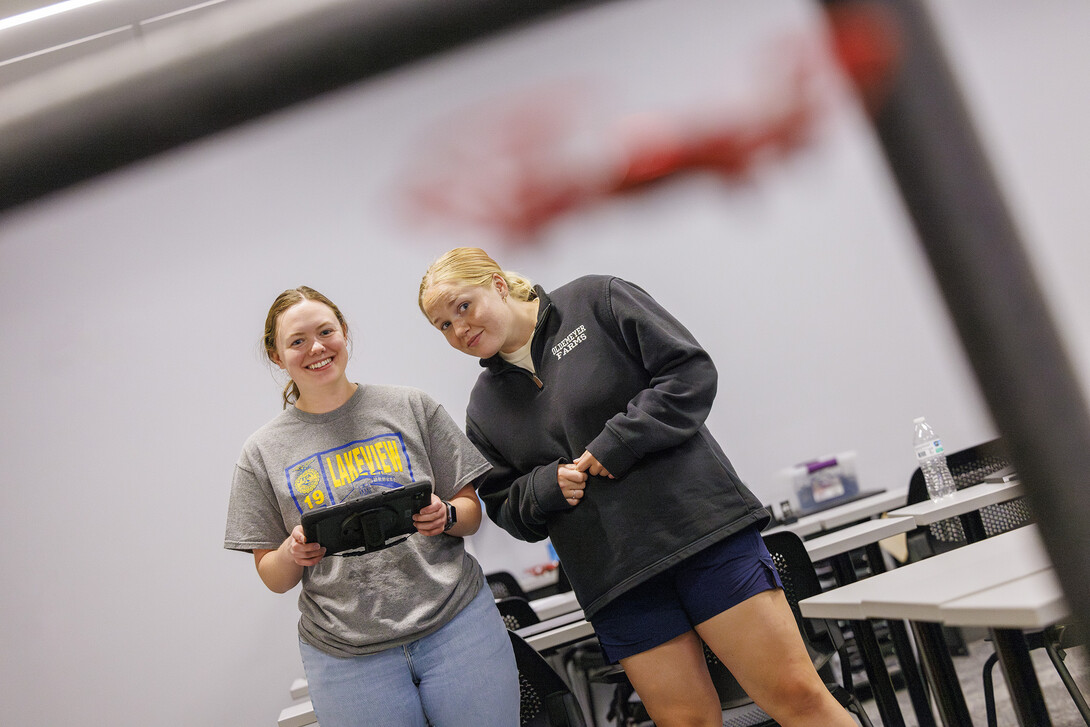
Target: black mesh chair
{"x": 589, "y": 659}
{"x": 503, "y": 584}
{"x": 544, "y": 698}
{"x": 517, "y": 612}
{"x": 969, "y": 467}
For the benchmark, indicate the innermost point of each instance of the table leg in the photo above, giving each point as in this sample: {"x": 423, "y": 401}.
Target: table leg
{"x": 875, "y": 664}
{"x": 873, "y": 661}
{"x": 1025, "y": 690}
{"x": 941, "y": 673}
{"x": 914, "y": 681}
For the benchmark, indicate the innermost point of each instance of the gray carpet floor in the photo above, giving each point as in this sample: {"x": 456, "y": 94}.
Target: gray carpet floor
{"x": 1060, "y": 707}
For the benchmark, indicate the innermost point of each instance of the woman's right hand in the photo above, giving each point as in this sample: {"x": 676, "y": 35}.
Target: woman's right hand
{"x": 302, "y": 552}
{"x": 572, "y": 483}
{"x": 282, "y": 569}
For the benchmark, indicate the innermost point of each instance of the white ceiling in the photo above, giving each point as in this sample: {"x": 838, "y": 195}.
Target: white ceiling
{"x": 33, "y": 47}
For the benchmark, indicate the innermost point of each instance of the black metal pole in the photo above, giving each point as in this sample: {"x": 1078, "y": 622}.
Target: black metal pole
{"x": 874, "y": 661}
{"x": 939, "y": 667}
{"x": 1025, "y": 690}
{"x": 902, "y": 646}
{"x": 991, "y": 292}
{"x": 228, "y": 67}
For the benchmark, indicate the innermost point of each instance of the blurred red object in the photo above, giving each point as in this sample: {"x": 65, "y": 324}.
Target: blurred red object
{"x": 515, "y": 167}
{"x": 543, "y": 568}
{"x": 866, "y": 40}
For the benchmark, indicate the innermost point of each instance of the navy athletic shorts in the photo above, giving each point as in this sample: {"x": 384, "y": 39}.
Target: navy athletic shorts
{"x": 702, "y": 586}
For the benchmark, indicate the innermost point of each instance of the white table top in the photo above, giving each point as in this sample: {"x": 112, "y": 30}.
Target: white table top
{"x": 555, "y": 605}
{"x": 861, "y": 509}
{"x": 297, "y": 715}
{"x": 834, "y": 517}
{"x": 961, "y": 502}
{"x": 805, "y": 525}
{"x": 856, "y": 536}
{"x": 566, "y": 634}
{"x": 1031, "y": 602}
{"x": 300, "y": 689}
{"x": 918, "y": 590}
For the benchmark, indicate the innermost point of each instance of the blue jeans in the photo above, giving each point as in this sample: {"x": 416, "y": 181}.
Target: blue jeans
{"x": 463, "y": 675}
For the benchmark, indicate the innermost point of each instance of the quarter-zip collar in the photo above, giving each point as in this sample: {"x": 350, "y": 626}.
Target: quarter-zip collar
{"x": 497, "y": 365}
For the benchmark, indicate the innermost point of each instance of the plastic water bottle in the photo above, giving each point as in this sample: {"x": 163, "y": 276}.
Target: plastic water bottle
{"x": 932, "y": 461}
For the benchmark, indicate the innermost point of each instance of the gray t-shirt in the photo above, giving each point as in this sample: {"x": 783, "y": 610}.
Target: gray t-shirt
{"x": 384, "y": 436}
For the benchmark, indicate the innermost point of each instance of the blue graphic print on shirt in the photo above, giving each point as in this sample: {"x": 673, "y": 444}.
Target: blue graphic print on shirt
{"x": 351, "y": 470}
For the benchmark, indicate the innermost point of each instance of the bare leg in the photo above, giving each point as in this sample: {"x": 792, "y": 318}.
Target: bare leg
{"x": 673, "y": 683}
{"x": 759, "y": 641}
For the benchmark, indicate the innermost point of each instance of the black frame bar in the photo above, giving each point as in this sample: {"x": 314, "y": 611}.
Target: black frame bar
{"x": 885, "y": 697}
{"x": 229, "y": 66}
{"x": 991, "y": 291}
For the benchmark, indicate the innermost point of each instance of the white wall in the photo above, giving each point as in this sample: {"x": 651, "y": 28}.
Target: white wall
{"x": 133, "y": 306}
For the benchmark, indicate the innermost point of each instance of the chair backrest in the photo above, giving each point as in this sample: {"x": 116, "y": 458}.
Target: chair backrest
{"x": 969, "y": 467}
{"x": 545, "y": 699}
{"x": 800, "y": 581}
{"x": 517, "y": 612}
{"x": 503, "y": 584}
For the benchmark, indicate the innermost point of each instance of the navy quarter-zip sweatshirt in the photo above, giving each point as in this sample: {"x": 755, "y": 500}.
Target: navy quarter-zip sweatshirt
{"x": 619, "y": 376}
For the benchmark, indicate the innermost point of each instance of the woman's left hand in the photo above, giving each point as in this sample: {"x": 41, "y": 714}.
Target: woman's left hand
{"x": 588, "y": 463}
{"x": 432, "y": 518}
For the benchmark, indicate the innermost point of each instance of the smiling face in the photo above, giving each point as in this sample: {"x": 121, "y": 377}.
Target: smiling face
{"x": 311, "y": 346}
{"x": 475, "y": 320}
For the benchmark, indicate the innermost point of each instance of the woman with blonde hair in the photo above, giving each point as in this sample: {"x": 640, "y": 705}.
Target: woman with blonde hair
{"x": 591, "y": 411}
{"x": 405, "y": 636}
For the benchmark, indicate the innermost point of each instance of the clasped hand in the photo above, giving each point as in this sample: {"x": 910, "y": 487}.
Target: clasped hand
{"x": 572, "y": 478}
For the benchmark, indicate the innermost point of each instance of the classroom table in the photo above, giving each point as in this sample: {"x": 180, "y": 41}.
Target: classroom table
{"x": 929, "y": 592}
{"x": 1034, "y": 601}
{"x": 297, "y": 715}
{"x": 856, "y": 536}
{"x": 850, "y": 512}
{"x": 555, "y": 605}
{"x": 553, "y": 633}
{"x": 863, "y": 509}
{"x": 964, "y": 504}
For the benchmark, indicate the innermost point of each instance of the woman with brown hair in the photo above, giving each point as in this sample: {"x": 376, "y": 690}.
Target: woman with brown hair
{"x": 405, "y": 636}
